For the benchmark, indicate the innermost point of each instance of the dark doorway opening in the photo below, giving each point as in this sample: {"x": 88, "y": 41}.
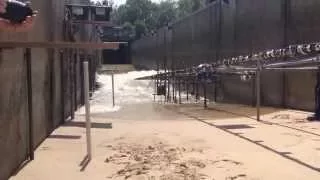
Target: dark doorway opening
{"x": 120, "y": 56}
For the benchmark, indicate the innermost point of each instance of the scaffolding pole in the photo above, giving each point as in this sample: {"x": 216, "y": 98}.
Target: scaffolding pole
{"x": 113, "y": 100}
{"x": 258, "y": 76}
{"x": 87, "y": 108}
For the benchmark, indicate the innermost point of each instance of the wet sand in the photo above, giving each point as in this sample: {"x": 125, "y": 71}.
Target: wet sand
{"x": 170, "y": 142}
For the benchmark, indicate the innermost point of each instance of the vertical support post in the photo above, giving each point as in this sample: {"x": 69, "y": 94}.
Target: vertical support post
{"x": 165, "y": 64}
{"x": 87, "y": 107}
{"x": 193, "y": 88}
{"x": 316, "y": 96}
{"x": 76, "y": 61}
{"x": 173, "y": 88}
{"x": 287, "y": 15}
{"x": 158, "y": 68}
{"x": 253, "y": 90}
{"x": 179, "y": 84}
{"x": 30, "y": 107}
{"x": 218, "y": 53}
{"x": 62, "y": 90}
{"x": 82, "y": 60}
{"x": 155, "y": 89}
{"x": 197, "y": 91}
{"x": 205, "y": 95}
{"x": 258, "y": 78}
{"x": 172, "y": 64}
{"x": 112, "y": 79}
{"x": 187, "y": 83}
{"x": 217, "y": 85}
{"x": 167, "y": 88}
{"x": 71, "y": 83}
{"x": 219, "y": 33}
{"x": 215, "y": 90}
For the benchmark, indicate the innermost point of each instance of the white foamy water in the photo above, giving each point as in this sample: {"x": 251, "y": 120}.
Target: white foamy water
{"x": 127, "y": 91}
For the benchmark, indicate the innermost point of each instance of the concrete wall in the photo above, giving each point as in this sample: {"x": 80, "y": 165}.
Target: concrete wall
{"x": 241, "y": 27}
{"x": 48, "y": 71}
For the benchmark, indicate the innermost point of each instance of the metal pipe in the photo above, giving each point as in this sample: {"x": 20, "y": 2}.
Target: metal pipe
{"x": 258, "y": 76}
{"x": 179, "y": 86}
{"x": 76, "y": 61}
{"x": 60, "y": 44}
{"x": 193, "y": 88}
{"x": 197, "y": 91}
{"x": 216, "y": 89}
{"x": 205, "y": 95}
{"x": 87, "y": 108}
{"x": 173, "y": 89}
{"x": 238, "y": 71}
{"x": 253, "y": 91}
{"x": 169, "y": 84}
{"x": 187, "y": 84}
{"x": 291, "y": 69}
{"x": 155, "y": 89}
{"x": 112, "y": 79}
{"x": 165, "y": 63}
{"x": 293, "y": 63}
{"x": 71, "y": 88}
{"x": 30, "y": 105}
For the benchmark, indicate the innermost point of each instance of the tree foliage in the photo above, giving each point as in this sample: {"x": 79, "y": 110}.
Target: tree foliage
{"x": 146, "y": 16}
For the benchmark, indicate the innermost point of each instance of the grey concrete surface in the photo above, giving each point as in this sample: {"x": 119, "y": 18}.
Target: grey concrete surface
{"x": 46, "y": 76}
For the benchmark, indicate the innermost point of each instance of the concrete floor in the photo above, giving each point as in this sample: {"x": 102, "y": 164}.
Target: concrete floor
{"x": 152, "y": 141}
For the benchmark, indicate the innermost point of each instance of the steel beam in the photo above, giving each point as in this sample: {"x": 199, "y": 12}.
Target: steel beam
{"x": 294, "y": 63}
{"x": 103, "y": 23}
{"x": 60, "y": 45}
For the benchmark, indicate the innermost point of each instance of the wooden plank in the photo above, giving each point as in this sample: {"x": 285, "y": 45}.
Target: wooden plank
{"x": 60, "y": 44}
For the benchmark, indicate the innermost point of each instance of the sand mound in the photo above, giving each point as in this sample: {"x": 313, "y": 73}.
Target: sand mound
{"x": 159, "y": 161}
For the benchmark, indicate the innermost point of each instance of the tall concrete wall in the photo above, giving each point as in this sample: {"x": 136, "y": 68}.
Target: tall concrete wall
{"x": 52, "y": 83}
{"x": 241, "y": 27}
{"x": 13, "y": 92}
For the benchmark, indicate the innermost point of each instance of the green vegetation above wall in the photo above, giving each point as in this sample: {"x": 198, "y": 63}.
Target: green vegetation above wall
{"x": 144, "y": 16}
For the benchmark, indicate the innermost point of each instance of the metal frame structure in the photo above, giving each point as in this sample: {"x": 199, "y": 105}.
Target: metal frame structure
{"x": 302, "y": 57}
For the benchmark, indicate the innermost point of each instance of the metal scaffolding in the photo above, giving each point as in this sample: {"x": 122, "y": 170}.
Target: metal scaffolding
{"x": 302, "y": 57}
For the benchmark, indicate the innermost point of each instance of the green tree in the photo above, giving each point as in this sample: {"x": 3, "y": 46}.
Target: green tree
{"x": 186, "y": 7}
{"x": 129, "y": 29}
{"x": 167, "y": 12}
{"x": 140, "y": 28}
{"x": 143, "y": 14}
{"x": 147, "y": 17}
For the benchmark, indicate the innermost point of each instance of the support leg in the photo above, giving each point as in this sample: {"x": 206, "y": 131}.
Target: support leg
{"x": 205, "y": 95}
{"x": 187, "y": 84}
{"x": 87, "y": 108}
{"x": 258, "y": 78}
{"x": 179, "y": 86}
